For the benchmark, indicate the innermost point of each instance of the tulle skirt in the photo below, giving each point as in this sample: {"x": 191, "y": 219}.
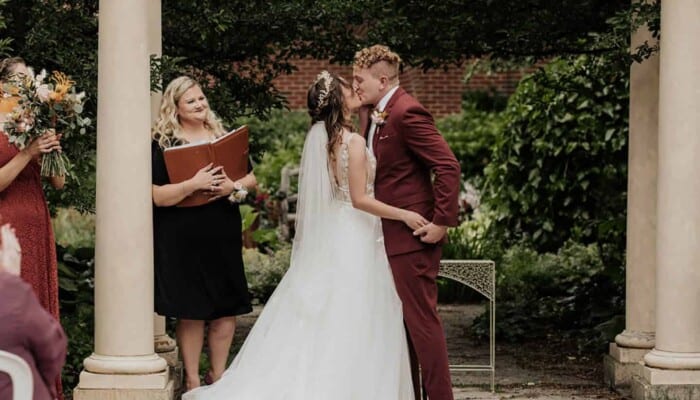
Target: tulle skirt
{"x": 333, "y": 329}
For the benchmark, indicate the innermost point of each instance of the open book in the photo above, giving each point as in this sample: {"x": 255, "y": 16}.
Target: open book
{"x": 229, "y": 151}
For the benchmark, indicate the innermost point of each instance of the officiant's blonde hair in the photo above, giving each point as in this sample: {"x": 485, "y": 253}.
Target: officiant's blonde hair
{"x": 167, "y": 130}
{"x": 370, "y": 56}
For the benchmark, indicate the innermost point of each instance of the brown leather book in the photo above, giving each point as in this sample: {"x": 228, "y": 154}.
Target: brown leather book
{"x": 229, "y": 151}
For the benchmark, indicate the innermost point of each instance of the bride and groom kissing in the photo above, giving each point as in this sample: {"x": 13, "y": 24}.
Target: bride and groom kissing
{"x": 355, "y": 316}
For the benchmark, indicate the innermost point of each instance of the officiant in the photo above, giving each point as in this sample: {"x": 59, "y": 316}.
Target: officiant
{"x": 199, "y": 275}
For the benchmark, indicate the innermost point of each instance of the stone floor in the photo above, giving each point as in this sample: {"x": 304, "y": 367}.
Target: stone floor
{"x": 529, "y": 371}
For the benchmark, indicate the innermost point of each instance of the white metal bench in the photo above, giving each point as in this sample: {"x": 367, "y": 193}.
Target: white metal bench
{"x": 20, "y": 375}
{"x": 479, "y": 275}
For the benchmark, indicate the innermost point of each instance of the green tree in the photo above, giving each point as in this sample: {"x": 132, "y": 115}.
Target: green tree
{"x": 238, "y": 48}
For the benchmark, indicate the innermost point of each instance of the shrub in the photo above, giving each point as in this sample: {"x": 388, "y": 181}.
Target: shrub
{"x": 559, "y": 167}
{"x": 264, "y": 271}
{"x": 569, "y": 293}
{"x": 471, "y": 136}
{"x": 76, "y": 285}
{"x": 276, "y": 142}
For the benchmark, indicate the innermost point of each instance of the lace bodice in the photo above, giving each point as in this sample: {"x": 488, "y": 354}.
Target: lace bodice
{"x": 341, "y": 186}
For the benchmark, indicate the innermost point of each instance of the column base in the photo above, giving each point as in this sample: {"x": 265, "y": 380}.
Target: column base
{"x": 90, "y": 380}
{"x": 621, "y": 364}
{"x": 159, "y": 386}
{"x": 655, "y": 384}
{"x": 171, "y": 357}
{"x": 163, "y": 343}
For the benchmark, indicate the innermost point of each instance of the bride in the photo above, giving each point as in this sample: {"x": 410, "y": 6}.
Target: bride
{"x": 333, "y": 328}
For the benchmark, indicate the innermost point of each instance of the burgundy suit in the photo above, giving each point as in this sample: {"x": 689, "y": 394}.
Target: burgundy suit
{"x": 29, "y": 331}
{"x": 408, "y": 148}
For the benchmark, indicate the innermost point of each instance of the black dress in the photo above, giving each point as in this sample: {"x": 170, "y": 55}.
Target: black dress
{"x": 198, "y": 257}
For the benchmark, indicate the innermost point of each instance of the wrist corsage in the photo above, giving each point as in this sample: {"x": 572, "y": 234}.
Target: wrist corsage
{"x": 239, "y": 193}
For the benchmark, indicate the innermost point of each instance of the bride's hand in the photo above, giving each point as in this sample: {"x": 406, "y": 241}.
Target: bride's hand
{"x": 413, "y": 219}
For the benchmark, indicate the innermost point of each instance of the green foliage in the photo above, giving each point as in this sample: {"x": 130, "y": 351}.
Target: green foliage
{"x": 568, "y": 292}
{"x": 559, "y": 168}
{"x": 73, "y": 229}
{"x": 471, "y": 136}
{"x": 76, "y": 285}
{"x": 474, "y": 239}
{"x": 276, "y": 142}
{"x": 6, "y": 41}
{"x": 264, "y": 271}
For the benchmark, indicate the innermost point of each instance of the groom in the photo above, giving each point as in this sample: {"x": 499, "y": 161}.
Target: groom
{"x": 402, "y": 135}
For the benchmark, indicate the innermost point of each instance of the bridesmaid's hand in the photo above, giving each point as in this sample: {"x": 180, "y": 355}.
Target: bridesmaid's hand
{"x": 46, "y": 143}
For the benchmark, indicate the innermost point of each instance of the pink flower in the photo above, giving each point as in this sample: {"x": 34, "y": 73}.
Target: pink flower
{"x": 42, "y": 92}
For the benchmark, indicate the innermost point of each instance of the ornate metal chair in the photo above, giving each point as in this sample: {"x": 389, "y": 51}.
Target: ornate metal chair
{"x": 479, "y": 275}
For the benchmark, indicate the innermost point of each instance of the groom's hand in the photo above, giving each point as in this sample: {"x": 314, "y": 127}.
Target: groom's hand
{"x": 431, "y": 233}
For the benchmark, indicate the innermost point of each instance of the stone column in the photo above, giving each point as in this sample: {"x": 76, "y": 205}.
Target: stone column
{"x": 673, "y": 367}
{"x": 638, "y": 337}
{"x": 164, "y": 345}
{"x": 124, "y": 364}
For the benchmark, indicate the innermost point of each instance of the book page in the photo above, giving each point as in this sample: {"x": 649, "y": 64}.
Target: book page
{"x": 228, "y": 134}
{"x": 182, "y": 146}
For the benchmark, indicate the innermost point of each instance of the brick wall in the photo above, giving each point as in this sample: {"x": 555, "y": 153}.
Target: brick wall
{"x": 440, "y": 91}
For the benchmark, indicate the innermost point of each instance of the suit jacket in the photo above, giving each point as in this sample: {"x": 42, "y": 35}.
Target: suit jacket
{"x": 409, "y": 149}
{"x": 29, "y": 331}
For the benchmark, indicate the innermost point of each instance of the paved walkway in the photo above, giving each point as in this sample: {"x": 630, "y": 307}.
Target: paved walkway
{"x": 529, "y": 371}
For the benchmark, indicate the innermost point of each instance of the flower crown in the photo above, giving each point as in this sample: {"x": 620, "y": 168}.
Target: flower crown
{"x": 326, "y": 78}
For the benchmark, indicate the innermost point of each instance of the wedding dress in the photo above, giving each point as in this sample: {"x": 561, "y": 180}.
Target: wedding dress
{"x": 333, "y": 329}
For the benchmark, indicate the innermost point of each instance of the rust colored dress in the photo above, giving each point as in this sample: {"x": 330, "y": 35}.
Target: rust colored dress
{"x": 23, "y": 205}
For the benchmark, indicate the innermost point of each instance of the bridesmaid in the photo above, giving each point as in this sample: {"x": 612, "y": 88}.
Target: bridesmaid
{"x": 22, "y": 201}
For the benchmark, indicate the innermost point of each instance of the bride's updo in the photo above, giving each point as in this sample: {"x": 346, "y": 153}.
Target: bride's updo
{"x": 326, "y": 103}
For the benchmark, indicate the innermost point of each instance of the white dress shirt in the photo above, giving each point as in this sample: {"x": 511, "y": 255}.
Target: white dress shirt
{"x": 380, "y": 106}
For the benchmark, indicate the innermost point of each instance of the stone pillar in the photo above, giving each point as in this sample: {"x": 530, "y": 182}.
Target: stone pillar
{"x": 164, "y": 345}
{"x": 672, "y": 369}
{"x": 638, "y": 337}
{"x": 124, "y": 364}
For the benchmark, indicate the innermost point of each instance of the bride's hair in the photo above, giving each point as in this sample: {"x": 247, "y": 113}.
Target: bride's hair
{"x": 326, "y": 103}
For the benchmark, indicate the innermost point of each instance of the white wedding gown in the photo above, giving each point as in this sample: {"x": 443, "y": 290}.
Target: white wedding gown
{"x": 333, "y": 329}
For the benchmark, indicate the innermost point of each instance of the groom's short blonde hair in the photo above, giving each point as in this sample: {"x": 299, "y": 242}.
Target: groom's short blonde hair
{"x": 370, "y": 56}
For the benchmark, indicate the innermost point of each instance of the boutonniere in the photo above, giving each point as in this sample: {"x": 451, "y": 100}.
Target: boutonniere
{"x": 379, "y": 117}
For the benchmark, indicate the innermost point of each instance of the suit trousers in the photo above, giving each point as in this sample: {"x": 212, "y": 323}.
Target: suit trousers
{"x": 414, "y": 276}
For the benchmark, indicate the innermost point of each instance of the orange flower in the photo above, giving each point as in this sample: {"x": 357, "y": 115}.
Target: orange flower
{"x": 8, "y": 104}
{"x": 62, "y": 85}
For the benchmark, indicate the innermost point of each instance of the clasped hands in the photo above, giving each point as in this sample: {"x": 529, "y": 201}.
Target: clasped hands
{"x": 426, "y": 230}
{"x": 213, "y": 182}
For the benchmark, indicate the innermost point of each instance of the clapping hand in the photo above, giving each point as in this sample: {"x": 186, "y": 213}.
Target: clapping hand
{"x": 10, "y": 251}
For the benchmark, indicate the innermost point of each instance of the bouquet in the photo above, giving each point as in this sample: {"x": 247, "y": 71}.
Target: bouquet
{"x": 40, "y": 106}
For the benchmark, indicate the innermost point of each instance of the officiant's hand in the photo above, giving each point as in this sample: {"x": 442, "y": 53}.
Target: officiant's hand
{"x": 222, "y": 188}
{"x": 207, "y": 178}
{"x": 431, "y": 233}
